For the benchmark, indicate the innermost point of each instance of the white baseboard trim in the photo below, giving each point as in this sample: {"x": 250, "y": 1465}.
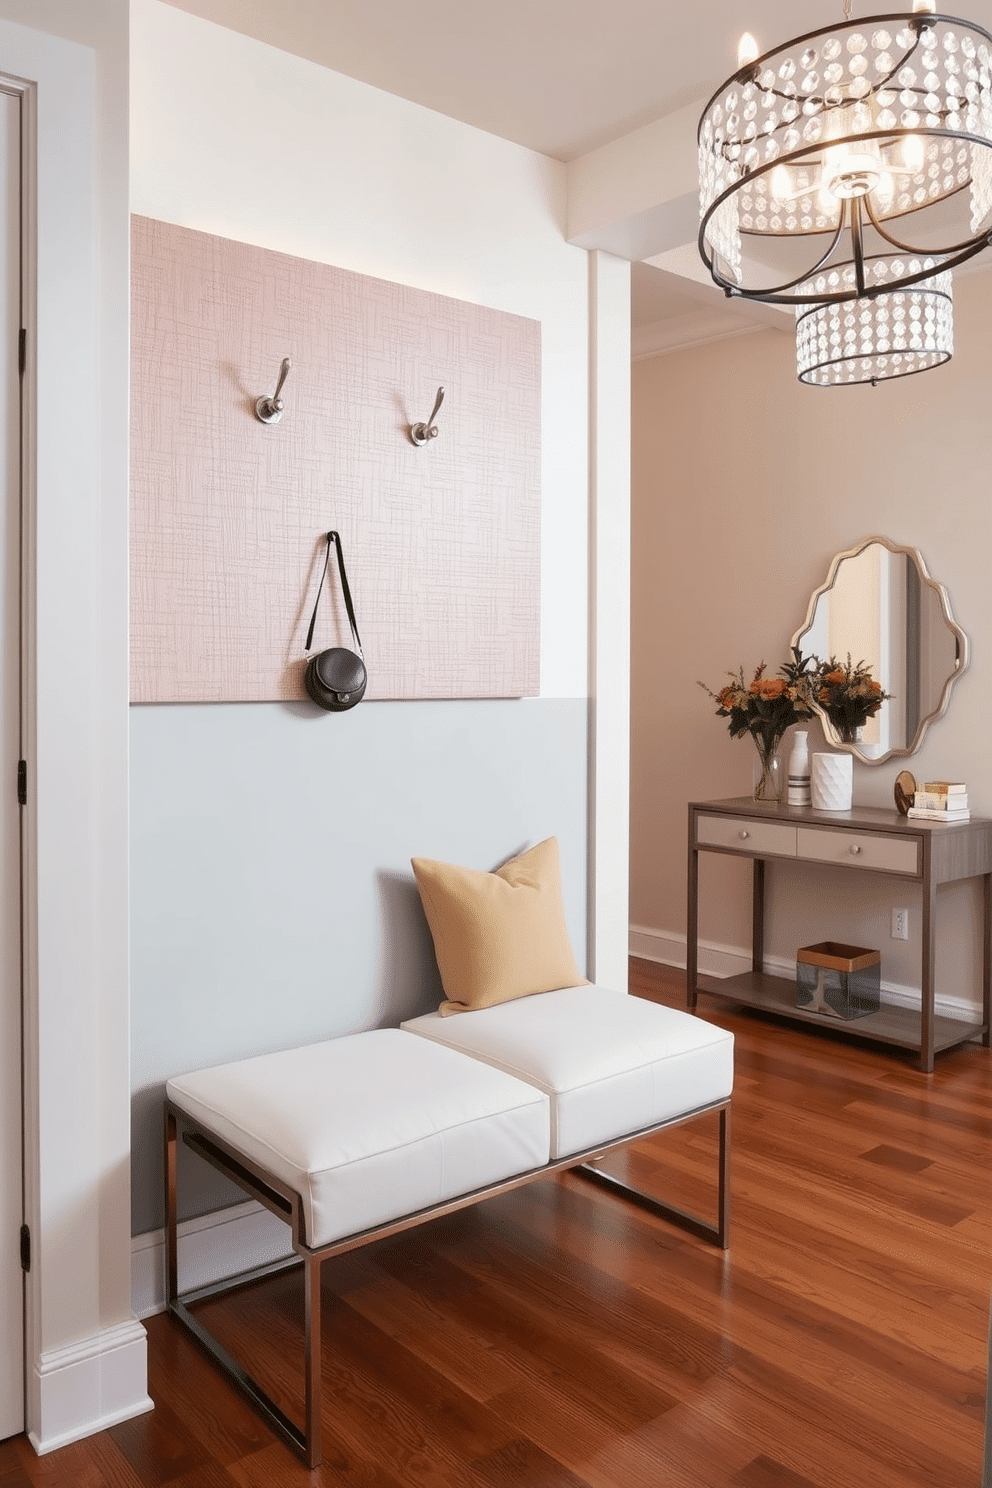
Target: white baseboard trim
{"x": 210, "y": 1248}
{"x": 668, "y": 949}
{"x": 91, "y": 1385}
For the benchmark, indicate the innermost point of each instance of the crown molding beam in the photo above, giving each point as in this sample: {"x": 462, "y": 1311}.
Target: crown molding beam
{"x": 679, "y": 332}
{"x": 638, "y": 198}
{"x": 642, "y": 187}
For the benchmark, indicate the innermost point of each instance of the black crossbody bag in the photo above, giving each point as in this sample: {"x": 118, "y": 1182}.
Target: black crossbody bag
{"x": 336, "y": 679}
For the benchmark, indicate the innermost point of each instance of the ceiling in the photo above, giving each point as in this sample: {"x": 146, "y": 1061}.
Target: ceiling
{"x": 559, "y": 76}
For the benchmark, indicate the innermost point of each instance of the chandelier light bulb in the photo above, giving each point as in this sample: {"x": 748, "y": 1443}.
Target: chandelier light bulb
{"x": 826, "y": 204}
{"x": 913, "y": 153}
{"x": 924, "y": 7}
{"x": 748, "y": 50}
{"x": 780, "y": 184}
{"x": 884, "y": 191}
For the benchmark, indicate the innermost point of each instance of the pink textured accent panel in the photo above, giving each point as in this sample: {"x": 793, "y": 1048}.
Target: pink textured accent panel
{"x": 228, "y": 515}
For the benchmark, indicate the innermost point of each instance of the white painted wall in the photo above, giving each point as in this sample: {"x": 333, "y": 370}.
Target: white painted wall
{"x": 86, "y": 1355}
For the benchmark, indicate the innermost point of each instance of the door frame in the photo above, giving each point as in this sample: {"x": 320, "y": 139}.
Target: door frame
{"x": 14, "y": 89}
{"x": 86, "y": 1354}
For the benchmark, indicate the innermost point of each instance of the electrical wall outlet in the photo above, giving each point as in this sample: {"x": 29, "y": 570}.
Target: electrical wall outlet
{"x": 900, "y": 924}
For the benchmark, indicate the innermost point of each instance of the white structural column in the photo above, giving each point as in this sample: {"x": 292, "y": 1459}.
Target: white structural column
{"x": 86, "y": 1354}
{"x": 609, "y": 616}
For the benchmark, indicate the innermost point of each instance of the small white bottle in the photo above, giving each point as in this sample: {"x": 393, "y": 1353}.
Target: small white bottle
{"x": 798, "y": 793}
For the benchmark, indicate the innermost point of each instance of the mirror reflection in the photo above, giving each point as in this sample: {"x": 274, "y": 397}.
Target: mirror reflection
{"x": 881, "y": 606}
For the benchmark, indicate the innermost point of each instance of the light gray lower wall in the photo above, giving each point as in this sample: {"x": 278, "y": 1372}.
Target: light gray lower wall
{"x": 272, "y": 901}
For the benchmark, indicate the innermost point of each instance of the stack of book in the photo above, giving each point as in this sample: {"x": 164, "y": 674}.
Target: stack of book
{"x": 941, "y": 801}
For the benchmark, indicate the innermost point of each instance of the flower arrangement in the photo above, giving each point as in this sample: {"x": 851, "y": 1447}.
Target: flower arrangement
{"x": 848, "y": 694}
{"x": 766, "y": 707}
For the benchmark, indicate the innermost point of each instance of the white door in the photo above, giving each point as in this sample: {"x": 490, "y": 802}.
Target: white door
{"x": 11, "y": 1207}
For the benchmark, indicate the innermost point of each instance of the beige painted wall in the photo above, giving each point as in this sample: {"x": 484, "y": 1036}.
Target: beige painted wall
{"x": 744, "y": 486}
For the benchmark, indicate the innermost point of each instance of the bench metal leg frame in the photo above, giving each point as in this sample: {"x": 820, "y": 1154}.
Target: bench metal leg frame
{"x": 719, "y": 1233}
{"x": 288, "y": 1206}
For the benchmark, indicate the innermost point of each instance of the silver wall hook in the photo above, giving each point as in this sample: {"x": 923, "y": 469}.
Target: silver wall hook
{"x": 420, "y": 433}
{"x": 269, "y": 410}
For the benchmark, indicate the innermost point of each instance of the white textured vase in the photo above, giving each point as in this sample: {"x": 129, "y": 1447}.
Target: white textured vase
{"x": 798, "y": 774}
{"x": 832, "y": 782}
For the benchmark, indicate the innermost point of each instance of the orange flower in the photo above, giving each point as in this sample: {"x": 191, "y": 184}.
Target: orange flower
{"x": 875, "y": 686}
{"x": 767, "y": 687}
{"x": 834, "y": 679}
{"x": 725, "y": 696}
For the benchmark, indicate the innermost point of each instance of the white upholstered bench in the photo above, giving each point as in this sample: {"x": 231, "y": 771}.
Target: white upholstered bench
{"x": 360, "y": 1137}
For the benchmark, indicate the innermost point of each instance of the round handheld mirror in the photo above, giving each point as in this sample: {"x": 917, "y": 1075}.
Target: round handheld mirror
{"x": 904, "y": 791}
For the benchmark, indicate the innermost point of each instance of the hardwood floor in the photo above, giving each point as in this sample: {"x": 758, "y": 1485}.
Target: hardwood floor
{"x": 556, "y": 1337}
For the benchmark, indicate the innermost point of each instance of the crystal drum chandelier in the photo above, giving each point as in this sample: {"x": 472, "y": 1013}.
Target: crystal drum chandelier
{"x": 852, "y": 161}
{"x": 879, "y": 336}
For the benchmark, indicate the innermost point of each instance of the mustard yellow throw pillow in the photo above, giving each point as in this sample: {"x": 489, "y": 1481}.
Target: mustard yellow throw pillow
{"x": 498, "y": 935}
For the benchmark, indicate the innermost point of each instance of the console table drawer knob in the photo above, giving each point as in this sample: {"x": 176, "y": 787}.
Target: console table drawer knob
{"x": 744, "y": 836}
{"x": 855, "y": 847}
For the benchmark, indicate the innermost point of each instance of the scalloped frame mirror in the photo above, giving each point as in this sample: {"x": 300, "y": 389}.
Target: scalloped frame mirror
{"x": 880, "y": 604}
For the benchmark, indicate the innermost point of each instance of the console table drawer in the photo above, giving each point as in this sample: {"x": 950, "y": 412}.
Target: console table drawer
{"x": 776, "y": 839}
{"x": 859, "y": 849}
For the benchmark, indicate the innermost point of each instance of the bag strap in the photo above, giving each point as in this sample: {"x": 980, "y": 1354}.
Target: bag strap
{"x": 334, "y": 538}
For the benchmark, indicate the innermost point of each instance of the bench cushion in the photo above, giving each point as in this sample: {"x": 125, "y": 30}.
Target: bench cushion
{"x": 609, "y": 1063}
{"x": 371, "y": 1127}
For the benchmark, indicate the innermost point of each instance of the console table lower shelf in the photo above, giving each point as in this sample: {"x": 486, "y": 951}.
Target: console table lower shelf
{"x": 859, "y": 844}
{"x": 890, "y": 1025}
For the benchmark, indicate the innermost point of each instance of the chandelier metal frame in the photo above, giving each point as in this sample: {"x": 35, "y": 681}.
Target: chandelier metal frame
{"x": 759, "y": 121}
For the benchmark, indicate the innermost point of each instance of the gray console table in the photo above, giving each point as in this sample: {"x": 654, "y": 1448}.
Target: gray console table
{"x": 862, "y": 840}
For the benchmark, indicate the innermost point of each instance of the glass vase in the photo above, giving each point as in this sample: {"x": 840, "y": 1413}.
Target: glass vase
{"x": 769, "y": 770}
